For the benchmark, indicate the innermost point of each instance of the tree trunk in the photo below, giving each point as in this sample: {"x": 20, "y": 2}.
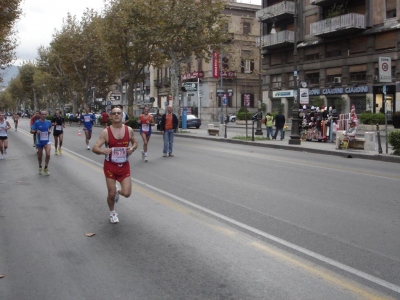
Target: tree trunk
{"x": 175, "y": 83}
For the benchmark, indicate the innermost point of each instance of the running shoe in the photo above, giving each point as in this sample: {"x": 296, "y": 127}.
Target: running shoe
{"x": 145, "y": 158}
{"x": 114, "y": 218}
{"x": 2, "y": 157}
{"x": 143, "y": 154}
{"x": 56, "y": 152}
{"x": 88, "y": 148}
{"x": 34, "y": 145}
{"x": 171, "y": 155}
{"x": 116, "y": 198}
{"x": 5, "y": 151}
{"x": 59, "y": 151}
{"x": 40, "y": 171}
{"x": 46, "y": 172}
{"x": 165, "y": 155}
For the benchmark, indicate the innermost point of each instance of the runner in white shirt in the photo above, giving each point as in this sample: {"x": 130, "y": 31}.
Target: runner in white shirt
{"x": 4, "y": 126}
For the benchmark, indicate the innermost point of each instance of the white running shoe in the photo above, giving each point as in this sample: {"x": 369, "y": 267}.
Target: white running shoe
{"x": 116, "y": 198}
{"x": 142, "y": 154}
{"x": 2, "y": 157}
{"x": 46, "y": 172}
{"x": 5, "y": 151}
{"x": 114, "y": 218}
{"x": 40, "y": 171}
{"x": 145, "y": 158}
{"x": 88, "y": 148}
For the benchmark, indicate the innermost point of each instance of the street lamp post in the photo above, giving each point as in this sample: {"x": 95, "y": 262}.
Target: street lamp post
{"x": 260, "y": 83}
{"x": 295, "y": 136}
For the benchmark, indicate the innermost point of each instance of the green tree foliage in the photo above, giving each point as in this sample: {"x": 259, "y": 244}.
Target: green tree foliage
{"x": 10, "y": 12}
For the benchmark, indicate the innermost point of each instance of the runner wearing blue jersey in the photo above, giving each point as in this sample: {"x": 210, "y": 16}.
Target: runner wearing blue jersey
{"x": 88, "y": 120}
{"x": 42, "y": 129}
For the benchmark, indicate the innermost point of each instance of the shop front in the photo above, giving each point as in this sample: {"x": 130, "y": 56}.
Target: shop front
{"x": 378, "y": 100}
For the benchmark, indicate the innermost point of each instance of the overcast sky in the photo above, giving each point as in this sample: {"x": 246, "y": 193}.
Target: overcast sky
{"x": 41, "y": 17}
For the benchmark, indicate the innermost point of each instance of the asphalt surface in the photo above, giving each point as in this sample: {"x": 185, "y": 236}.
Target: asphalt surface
{"x": 217, "y": 221}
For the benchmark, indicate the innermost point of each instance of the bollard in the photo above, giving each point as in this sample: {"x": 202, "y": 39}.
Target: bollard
{"x": 252, "y": 131}
{"x": 379, "y": 139}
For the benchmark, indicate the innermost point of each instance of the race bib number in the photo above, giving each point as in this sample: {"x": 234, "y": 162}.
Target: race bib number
{"x": 118, "y": 155}
{"x": 145, "y": 127}
{"x": 44, "y": 136}
{"x": 58, "y": 127}
{"x": 2, "y": 129}
{"x": 87, "y": 118}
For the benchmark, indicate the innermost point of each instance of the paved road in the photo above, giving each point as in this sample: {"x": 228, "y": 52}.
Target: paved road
{"x": 217, "y": 221}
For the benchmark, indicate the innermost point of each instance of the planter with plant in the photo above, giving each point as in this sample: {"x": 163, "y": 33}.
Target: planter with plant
{"x": 394, "y": 140}
{"x": 368, "y": 118}
{"x": 396, "y": 119}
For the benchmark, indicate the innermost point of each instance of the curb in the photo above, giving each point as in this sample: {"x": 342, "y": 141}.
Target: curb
{"x": 339, "y": 153}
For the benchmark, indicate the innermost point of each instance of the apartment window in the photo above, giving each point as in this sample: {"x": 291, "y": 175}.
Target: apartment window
{"x": 358, "y": 45}
{"x": 246, "y": 27}
{"x": 310, "y": 57}
{"x": 333, "y": 50}
{"x": 391, "y": 11}
{"x": 276, "y": 81}
{"x": 358, "y": 76}
{"x": 247, "y": 64}
{"x": 312, "y": 78}
{"x": 225, "y": 63}
{"x": 199, "y": 64}
{"x": 386, "y": 40}
{"x": 331, "y": 73}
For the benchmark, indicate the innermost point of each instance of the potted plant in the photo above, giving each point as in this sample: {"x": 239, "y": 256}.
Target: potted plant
{"x": 396, "y": 119}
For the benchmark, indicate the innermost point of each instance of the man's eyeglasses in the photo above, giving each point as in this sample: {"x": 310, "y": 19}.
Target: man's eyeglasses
{"x": 116, "y": 113}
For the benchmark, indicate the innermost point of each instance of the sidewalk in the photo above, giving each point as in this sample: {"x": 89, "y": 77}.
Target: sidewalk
{"x": 305, "y": 146}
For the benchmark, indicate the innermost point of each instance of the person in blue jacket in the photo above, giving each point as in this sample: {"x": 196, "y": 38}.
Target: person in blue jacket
{"x": 88, "y": 120}
{"x": 42, "y": 129}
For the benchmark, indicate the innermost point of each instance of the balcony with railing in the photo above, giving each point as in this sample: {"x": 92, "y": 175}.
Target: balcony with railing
{"x": 277, "y": 40}
{"x": 280, "y": 11}
{"x": 344, "y": 24}
{"x": 325, "y": 3}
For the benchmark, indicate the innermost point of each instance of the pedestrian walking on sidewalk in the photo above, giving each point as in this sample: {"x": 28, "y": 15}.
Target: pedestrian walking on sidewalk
{"x": 279, "y": 123}
{"x": 117, "y": 138}
{"x": 169, "y": 123}
{"x": 269, "y": 123}
{"x": 42, "y": 129}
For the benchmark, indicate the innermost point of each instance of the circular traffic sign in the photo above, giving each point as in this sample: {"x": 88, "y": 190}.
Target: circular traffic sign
{"x": 385, "y": 67}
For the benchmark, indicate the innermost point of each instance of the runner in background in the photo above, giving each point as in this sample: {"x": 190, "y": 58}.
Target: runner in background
{"x": 34, "y": 118}
{"x": 145, "y": 122}
{"x": 88, "y": 120}
{"x": 58, "y": 132}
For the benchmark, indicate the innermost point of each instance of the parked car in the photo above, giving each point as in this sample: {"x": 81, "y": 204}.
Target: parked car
{"x": 232, "y": 118}
{"x": 191, "y": 121}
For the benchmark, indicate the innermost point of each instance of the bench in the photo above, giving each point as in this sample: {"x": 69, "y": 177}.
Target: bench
{"x": 212, "y": 130}
{"x": 357, "y": 143}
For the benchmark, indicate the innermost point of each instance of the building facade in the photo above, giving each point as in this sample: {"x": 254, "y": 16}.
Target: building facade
{"x": 238, "y": 63}
{"x": 347, "y": 53}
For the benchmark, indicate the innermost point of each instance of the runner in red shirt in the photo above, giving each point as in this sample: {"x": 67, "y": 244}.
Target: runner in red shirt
{"x": 117, "y": 138}
{"x": 145, "y": 122}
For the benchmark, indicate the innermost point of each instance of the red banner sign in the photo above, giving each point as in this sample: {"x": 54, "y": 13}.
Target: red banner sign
{"x": 215, "y": 64}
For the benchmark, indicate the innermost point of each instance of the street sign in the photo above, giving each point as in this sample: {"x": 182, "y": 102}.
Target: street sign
{"x": 385, "y": 69}
{"x": 200, "y": 94}
{"x": 225, "y": 100}
{"x": 115, "y": 97}
{"x": 190, "y": 86}
{"x": 191, "y": 94}
{"x": 108, "y": 102}
{"x": 165, "y": 103}
{"x": 304, "y": 96}
{"x": 220, "y": 93}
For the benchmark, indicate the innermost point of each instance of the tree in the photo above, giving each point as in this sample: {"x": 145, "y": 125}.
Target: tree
{"x": 129, "y": 40}
{"x": 10, "y": 12}
{"x": 192, "y": 27}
